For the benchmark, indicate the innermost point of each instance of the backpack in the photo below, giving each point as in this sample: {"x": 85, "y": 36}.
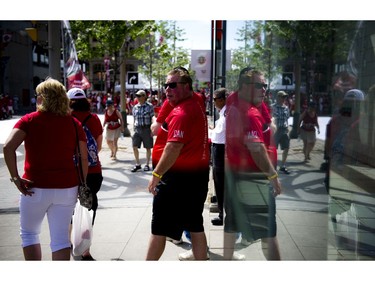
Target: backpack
{"x": 92, "y": 146}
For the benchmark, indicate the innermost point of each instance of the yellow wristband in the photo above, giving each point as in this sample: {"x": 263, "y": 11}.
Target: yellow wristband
{"x": 156, "y": 175}
{"x": 273, "y": 176}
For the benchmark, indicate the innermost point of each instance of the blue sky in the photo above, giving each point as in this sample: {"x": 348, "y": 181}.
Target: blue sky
{"x": 198, "y": 34}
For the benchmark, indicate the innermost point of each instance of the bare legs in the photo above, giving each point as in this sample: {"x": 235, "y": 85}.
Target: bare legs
{"x": 270, "y": 247}
{"x": 199, "y": 243}
{"x": 284, "y": 156}
{"x": 229, "y": 241}
{"x": 113, "y": 146}
{"x": 157, "y": 245}
{"x": 307, "y": 148}
{"x": 136, "y": 155}
{"x": 34, "y": 253}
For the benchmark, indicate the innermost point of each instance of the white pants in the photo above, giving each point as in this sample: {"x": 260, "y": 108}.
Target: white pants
{"x": 58, "y": 204}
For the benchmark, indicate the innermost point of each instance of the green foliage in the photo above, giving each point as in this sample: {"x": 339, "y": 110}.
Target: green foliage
{"x": 98, "y": 39}
{"x": 160, "y": 51}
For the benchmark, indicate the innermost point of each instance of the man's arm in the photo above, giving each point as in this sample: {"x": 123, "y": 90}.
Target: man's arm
{"x": 259, "y": 154}
{"x": 168, "y": 158}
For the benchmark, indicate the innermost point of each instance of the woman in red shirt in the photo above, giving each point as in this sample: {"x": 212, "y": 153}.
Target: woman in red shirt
{"x": 309, "y": 120}
{"x": 115, "y": 126}
{"x": 81, "y": 110}
{"x": 50, "y": 179}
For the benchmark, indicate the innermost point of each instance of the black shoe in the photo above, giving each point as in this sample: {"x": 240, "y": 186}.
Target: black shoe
{"x": 146, "y": 168}
{"x": 284, "y": 170}
{"x": 87, "y": 258}
{"x": 136, "y": 168}
{"x": 217, "y": 221}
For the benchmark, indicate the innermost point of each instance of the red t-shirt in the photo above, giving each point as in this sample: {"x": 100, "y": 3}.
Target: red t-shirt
{"x": 167, "y": 108}
{"x": 245, "y": 123}
{"x": 112, "y": 120}
{"x": 96, "y": 129}
{"x": 186, "y": 123}
{"x": 50, "y": 145}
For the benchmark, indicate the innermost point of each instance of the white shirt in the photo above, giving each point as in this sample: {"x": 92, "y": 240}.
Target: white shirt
{"x": 218, "y": 133}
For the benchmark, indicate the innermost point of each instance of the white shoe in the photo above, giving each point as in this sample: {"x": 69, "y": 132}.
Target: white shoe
{"x": 176, "y": 242}
{"x": 238, "y": 257}
{"x": 189, "y": 256}
{"x": 245, "y": 242}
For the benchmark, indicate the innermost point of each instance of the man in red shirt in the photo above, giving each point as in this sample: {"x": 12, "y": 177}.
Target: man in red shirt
{"x": 251, "y": 179}
{"x": 181, "y": 170}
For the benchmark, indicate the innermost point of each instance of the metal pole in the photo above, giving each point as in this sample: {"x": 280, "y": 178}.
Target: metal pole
{"x": 54, "y": 49}
{"x": 123, "y": 89}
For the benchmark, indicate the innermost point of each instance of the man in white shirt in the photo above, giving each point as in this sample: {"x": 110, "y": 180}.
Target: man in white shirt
{"x": 218, "y": 151}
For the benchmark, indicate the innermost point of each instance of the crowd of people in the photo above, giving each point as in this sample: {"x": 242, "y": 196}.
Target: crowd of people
{"x": 7, "y": 107}
{"x": 241, "y": 146}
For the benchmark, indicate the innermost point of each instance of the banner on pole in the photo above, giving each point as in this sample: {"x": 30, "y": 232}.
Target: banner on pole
{"x": 75, "y": 78}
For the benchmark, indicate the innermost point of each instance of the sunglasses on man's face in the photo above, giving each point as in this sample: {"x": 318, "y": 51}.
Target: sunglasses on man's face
{"x": 172, "y": 85}
{"x": 258, "y": 85}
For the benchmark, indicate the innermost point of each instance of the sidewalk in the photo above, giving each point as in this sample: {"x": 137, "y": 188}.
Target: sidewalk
{"x": 122, "y": 225}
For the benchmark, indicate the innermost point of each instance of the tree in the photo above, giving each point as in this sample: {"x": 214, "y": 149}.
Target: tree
{"x": 100, "y": 39}
{"x": 160, "y": 51}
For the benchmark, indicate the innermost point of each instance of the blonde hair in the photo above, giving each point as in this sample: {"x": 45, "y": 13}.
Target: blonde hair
{"x": 54, "y": 97}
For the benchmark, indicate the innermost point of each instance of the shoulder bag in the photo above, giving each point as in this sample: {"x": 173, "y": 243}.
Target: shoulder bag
{"x": 85, "y": 196}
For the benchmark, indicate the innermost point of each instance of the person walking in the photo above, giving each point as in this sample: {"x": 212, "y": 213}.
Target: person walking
{"x": 143, "y": 113}
{"x": 180, "y": 159}
{"x": 251, "y": 180}
{"x": 280, "y": 114}
{"x": 306, "y": 129}
{"x": 49, "y": 184}
{"x": 218, "y": 151}
{"x": 114, "y": 124}
{"x": 80, "y": 107}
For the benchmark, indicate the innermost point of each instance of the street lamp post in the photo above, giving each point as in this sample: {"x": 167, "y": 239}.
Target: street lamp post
{"x": 123, "y": 87}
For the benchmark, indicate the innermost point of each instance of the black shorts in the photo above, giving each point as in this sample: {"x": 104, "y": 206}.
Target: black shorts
{"x": 179, "y": 204}
{"x": 250, "y": 206}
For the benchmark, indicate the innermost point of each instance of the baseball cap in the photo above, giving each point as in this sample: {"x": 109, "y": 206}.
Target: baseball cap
{"x": 140, "y": 93}
{"x": 281, "y": 94}
{"x": 76, "y": 93}
{"x": 354, "y": 94}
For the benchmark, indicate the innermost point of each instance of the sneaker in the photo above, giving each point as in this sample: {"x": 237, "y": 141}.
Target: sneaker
{"x": 217, "y": 221}
{"x": 238, "y": 257}
{"x": 284, "y": 170}
{"x": 87, "y": 258}
{"x": 189, "y": 256}
{"x": 176, "y": 242}
{"x": 136, "y": 168}
{"x": 245, "y": 242}
{"x": 146, "y": 168}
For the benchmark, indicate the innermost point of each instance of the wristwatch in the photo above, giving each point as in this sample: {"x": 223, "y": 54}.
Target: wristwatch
{"x": 14, "y": 179}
